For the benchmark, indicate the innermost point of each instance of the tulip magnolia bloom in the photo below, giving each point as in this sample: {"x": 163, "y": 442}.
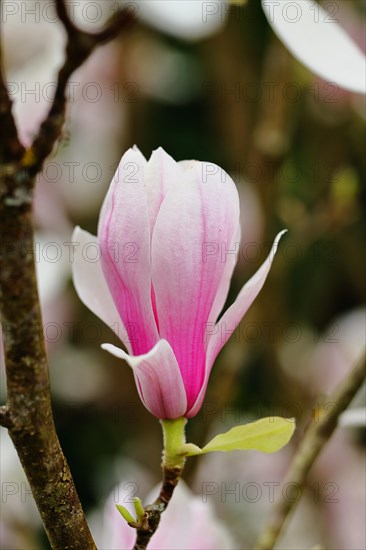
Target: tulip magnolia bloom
{"x": 168, "y": 235}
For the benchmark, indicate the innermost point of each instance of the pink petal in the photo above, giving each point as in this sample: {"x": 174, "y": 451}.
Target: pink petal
{"x": 196, "y": 222}
{"x": 232, "y": 317}
{"x": 124, "y": 237}
{"x": 223, "y": 291}
{"x": 158, "y": 379}
{"x": 161, "y": 174}
{"x": 90, "y": 283}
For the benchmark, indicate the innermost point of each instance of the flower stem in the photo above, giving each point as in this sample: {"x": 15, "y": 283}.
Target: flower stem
{"x": 174, "y": 439}
{"x": 172, "y": 466}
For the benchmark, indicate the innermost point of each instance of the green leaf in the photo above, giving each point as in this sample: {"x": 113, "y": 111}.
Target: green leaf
{"x": 125, "y": 513}
{"x": 139, "y": 509}
{"x": 267, "y": 435}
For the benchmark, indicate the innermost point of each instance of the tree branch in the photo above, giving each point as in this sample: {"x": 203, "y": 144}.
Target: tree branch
{"x": 28, "y": 413}
{"x": 79, "y": 46}
{"x": 316, "y": 437}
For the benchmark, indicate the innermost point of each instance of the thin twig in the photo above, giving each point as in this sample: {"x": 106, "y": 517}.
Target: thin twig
{"x": 316, "y": 437}
{"x": 173, "y": 463}
{"x": 28, "y": 413}
{"x": 79, "y": 46}
{"x": 153, "y": 512}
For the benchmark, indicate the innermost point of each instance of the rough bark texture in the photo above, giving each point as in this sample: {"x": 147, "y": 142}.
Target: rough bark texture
{"x": 28, "y": 413}
{"x": 28, "y": 409}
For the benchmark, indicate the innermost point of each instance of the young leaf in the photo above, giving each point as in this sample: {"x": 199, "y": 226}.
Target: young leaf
{"x": 267, "y": 435}
{"x": 125, "y": 513}
{"x": 139, "y": 509}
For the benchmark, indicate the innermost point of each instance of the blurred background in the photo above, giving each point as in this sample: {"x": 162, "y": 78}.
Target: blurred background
{"x": 216, "y": 86}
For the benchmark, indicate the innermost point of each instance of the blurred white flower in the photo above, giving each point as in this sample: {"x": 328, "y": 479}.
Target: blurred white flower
{"x": 312, "y": 34}
{"x": 187, "y": 19}
{"x": 315, "y": 38}
{"x": 353, "y": 418}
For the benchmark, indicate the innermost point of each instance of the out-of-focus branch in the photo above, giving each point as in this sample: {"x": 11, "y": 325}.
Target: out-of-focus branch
{"x": 28, "y": 413}
{"x": 79, "y": 46}
{"x": 316, "y": 437}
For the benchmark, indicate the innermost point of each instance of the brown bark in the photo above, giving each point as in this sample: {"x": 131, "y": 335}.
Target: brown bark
{"x": 28, "y": 413}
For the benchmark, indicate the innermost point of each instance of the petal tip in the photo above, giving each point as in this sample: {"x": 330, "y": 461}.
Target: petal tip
{"x": 75, "y": 232}
{"x": 114, "y": 350}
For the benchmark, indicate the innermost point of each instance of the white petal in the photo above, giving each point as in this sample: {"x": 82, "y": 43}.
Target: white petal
{"x": 188, "y": 19}
{"x": 353, "y": 417}
{"x": 315, "y": 38}
{"x": 90, "y": 283}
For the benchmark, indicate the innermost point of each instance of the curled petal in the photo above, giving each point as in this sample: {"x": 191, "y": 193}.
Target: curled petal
{"x": 318, "y": 41}
{"x": 158, "y": 379}
{"x": 232, "y": 317}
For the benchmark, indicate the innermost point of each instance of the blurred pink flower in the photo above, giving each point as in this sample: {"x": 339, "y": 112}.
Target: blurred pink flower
{"x": 341, "y": 471}
{"x": 168, "y": 239}
{"x": 320, "y": 361}
{"x": 205, "y": 531}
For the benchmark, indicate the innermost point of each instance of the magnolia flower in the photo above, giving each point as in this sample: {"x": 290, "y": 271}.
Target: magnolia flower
{"x": 168, "y": 238}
